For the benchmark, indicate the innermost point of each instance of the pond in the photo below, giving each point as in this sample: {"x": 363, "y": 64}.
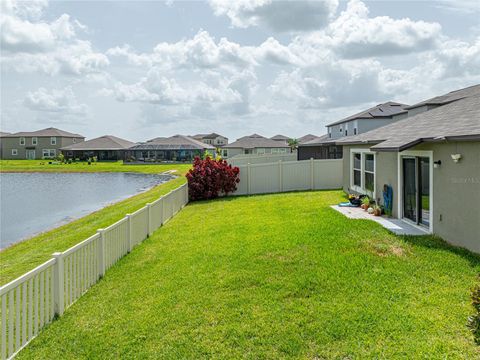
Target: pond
{"x": 31, "y": 203}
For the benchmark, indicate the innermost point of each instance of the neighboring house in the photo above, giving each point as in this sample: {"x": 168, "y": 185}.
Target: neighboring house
{"x": 104, "y": 148}
{"x": 175, "y": 148}
{"x": 324, "y": 147}
{"x": 41, "y": 144}
{"x": 2, "y": 134}
{"x": 306, "y": 138}
{"x": 212, "y": 139}
{"x": 431, "y": 160}
{"x": 254, "y": 145}
{"x": 282, "y": 138}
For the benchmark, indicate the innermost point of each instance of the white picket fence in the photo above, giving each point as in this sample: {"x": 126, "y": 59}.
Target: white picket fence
{"x": 31, "y": 301}
{"x": 284, "y": 176}
{"x": 261, "y": 159}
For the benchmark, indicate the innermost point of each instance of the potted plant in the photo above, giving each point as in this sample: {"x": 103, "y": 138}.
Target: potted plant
{"x": 365, "y": 203}
{"x": 377, "y": 210}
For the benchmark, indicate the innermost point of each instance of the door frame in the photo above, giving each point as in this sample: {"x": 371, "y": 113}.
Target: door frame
{"x": 27, "y": 152}
{"x": 415, "y": 153}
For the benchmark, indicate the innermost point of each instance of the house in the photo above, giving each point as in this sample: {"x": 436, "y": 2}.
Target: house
{"x": 324, "y": 147}
{"x": 212, "y": 139}
{"x": 282, "y": 138}
{"x": 305, "y": 138}
{"x": 104, "y": 148}
{"x": 254, "y": 145}
{"x": 2, "y": 134}
{"x": 431, "y": 160}
{"x": 175, "y": 148}
{"x": 41, "y": 144}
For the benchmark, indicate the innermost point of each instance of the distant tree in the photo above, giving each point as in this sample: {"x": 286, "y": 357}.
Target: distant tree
{"x": 293, "y": 143}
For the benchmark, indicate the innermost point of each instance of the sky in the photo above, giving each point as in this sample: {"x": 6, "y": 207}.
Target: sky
{"x": 143, "y": 69}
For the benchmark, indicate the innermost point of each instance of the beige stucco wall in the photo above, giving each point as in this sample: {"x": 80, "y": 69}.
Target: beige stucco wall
{"x": 456, "y": 188}
{"x": 456, "y": 193}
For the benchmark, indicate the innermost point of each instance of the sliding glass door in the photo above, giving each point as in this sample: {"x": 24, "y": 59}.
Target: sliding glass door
{"x": 416, "y": 189}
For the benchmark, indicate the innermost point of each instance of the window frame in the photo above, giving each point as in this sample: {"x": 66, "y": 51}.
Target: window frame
{"x": 14, "y": 152}
{"x": 22, "y": 141}
{"x": 36, "y": 140}
{"x": 53, "y": 140}
{"x": 362, "y": 189}
{"x": 50, "y": 151}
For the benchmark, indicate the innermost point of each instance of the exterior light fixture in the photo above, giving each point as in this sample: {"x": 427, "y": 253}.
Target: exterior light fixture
{"x": 456, "y": 157}
{"x": 436, "y": 164}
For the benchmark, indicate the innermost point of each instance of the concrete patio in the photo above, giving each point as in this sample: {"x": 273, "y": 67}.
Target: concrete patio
{"x": 396, "y": 226}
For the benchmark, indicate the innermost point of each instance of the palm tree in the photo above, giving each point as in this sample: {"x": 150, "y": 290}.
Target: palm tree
{"x": 293, "y": 143}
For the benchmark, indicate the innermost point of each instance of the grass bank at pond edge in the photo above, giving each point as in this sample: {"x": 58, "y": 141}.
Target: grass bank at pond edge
{"x": 24, "y": 256}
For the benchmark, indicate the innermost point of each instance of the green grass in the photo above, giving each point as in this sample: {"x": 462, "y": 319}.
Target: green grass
{"x": 24, "y": 256}
{"x": 270, "y": 277}
{"x": 43, "y": 166}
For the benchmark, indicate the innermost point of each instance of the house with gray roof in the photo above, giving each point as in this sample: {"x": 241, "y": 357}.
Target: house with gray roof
{"x": 177, "y": 148}
{"x": 254, "y": 145}
{"x": 41, "y": 144}
{"x": 430, "y": 161}
{"x": 104, "y": 148}
{"x": 309, "y": 137}
{"x": 212, "y": 139}
{"x": 324, "y": 147}
{"x": 281, "y": 138}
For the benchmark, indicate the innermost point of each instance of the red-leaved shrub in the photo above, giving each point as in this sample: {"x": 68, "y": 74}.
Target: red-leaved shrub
{"x": 208, "y": 179}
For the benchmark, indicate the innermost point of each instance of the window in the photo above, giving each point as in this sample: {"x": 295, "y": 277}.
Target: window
{"x": 260, "y": 151}
{"x": 53, "y": 140}
{"x": 248, "y": 151}
{"x": 22, "y": 141}
{"x": 357, "y": 169}
{"x": 346, "y": 132}
{"x": 369, "y": 172}
{"x": 34, "y": 141}
{"x": 363, "y": 172}
{"x": 14, "y": 152}
{"x": 224, "y": 153}
{"x": 74, "y": 140}
{"x": 49, "y": 153}
{"x": 354, "y": 131}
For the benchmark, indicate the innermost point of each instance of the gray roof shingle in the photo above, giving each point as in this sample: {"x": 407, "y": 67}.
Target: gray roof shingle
{"x": 106, "y": 142}
{"x": 51, "y": 131}
{"x": 458, "y": 119}
{"x": 384, "y": 110}
{"x": 255, "y": 141}
{"x": 447, "y": 98}
{"x": 305, "y": 138}
{"x": 176, "y": 142}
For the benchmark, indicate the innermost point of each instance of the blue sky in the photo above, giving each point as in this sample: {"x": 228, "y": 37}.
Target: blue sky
{"x": 142, "y": 69}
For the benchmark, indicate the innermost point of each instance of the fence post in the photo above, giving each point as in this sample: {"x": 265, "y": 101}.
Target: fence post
{"x": 149, "y": 222}
{"x": 58, "y": 284}
{"x": 101, "y": 253}
{"x": 312, "y": 179}
{"x": 280, "y": 176}
{"x": 248, "y": 178}
{"x": 129, "y": 232}
{"x": 185, "y": 200}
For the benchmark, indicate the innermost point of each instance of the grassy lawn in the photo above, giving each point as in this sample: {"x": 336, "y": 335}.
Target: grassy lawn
{"x": 24, "y": 256}
{"x": 43, "y": 166}
{"x": 269, "y": 277}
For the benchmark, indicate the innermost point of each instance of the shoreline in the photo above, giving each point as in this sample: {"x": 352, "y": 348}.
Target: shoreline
{"x": 103, "y": 206}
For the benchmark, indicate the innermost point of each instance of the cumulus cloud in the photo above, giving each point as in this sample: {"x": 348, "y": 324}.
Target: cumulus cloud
{"x": 354, "y": 34}
{"x": 31, "y": 44}
{"x": 277, "y": 15}
{"x": 201, "y": 52}
{"x": 55, "y": 101}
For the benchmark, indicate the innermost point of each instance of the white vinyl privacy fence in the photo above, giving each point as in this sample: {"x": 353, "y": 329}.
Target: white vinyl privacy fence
{"x": 284, "y": 176}
{"x": 261, "y": 159}
{"x": 31, "y": 301}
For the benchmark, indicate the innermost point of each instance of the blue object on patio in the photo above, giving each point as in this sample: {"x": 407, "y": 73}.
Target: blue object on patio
{"x": 388, "y": 199}
{"x": 347, "y": 204}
